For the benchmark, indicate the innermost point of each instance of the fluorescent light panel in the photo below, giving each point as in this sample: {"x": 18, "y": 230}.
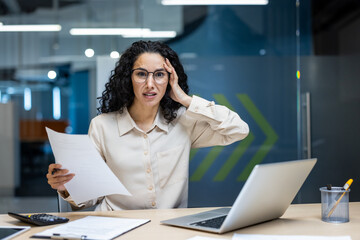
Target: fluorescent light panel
{"x": 56, "y": 103}
{"x": 125, "y": 32}
{"x": 27, "y": 99}
{"x": 152, "y": 34}
{"x": 107, "y": 31}
{"x": 214, "y": 2}
{"x": 31, "y": 28}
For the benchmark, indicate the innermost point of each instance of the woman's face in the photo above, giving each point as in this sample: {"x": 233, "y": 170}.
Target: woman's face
{"x": 149, "y": 79}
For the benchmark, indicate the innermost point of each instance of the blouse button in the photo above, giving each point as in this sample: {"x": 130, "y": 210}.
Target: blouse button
{"x": 146, "y": 152}
{"x": 145, "y": 136}
{"x": 150, "y": 188}
{"x": 153, "y": 204}
{"x": 148, "y": 170}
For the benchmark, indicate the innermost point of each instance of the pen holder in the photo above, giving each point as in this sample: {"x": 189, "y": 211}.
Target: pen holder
{"x": 334, "y": 205}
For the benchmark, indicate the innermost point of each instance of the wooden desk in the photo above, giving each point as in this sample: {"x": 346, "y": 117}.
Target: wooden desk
{"x": 301, "y": 219}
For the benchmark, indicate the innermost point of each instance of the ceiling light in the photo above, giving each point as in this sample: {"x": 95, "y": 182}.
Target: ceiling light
{"x": 152, "y": 34}
{"x": 107, "y": 31}
{"x": 5, "y": 98}
{"x": 1, "y": 23}
{"x": 31, "y": 28}
{"x": 214, "y": 2}
{"x": 51, "y": 74}
{"x": 10, "y": 90}
{"x": 89, "y": 52}
{"x": 115, "y": 54}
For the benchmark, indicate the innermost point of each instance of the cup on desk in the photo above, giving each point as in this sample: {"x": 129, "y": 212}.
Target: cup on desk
{"x": 335, "y": 205}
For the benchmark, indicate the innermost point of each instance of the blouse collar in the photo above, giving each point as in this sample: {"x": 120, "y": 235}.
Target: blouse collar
{"x": 126, "y": 123}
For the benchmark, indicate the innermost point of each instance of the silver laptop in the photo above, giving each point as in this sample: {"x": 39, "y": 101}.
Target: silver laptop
{"x": 266, "y": 195}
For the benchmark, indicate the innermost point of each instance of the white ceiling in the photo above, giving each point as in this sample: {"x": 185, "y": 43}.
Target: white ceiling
{"x": 26, "y": 50}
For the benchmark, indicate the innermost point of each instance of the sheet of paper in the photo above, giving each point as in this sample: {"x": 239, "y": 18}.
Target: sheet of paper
{"x": 286, "y": 237}
{"x": 94, "y": 227}
{"x": 93, "y": 178}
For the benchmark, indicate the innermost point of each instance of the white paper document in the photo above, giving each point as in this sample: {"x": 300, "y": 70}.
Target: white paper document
{"x": 286, "y": 237}
{"x": 93, "y": 178}
{"x": 93, "y": 227}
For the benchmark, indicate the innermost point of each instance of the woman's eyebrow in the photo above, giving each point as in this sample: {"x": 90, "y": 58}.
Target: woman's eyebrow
{"x": 139, "y": 68}
{"x": 159, "y": 69}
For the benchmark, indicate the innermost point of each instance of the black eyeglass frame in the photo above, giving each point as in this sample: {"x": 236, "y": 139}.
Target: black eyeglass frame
{"x": 147, "y": 75}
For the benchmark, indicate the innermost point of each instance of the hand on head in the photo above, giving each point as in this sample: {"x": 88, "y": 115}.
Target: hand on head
{"x": 176, "y": 93}
{"x": 57, "y": 177}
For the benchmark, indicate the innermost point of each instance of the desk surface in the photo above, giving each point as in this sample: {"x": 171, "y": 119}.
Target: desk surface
{"x": 299, "y": 219}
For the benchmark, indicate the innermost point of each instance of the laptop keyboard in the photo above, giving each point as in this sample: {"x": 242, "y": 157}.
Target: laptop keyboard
{"x": 212, "y": 223}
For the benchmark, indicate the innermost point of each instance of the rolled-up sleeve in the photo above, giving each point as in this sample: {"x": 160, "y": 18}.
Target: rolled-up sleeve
{"x": 214, "y": 124}
{"x": 83, "y": 205}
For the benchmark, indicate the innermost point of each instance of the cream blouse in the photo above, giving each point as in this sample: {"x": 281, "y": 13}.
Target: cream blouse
{"x": 154, "y": 165}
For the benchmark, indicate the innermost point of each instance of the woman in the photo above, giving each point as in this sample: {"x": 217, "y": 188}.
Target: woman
{"x": 147, "y": 127}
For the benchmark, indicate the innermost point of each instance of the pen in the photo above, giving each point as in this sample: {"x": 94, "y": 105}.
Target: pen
{"x": 346, "y": 187}
{"x": 54, "y": 171}
{"x": 67, "y": 236}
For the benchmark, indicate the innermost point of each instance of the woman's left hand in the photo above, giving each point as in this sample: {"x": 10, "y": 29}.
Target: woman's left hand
{"x": 176, "y": 93}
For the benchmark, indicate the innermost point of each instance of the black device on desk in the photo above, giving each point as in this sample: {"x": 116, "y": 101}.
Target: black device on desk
{"x": 40, "y": 219}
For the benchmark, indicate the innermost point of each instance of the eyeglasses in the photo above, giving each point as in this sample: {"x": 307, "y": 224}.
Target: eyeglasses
{"x": 141, "y": 75}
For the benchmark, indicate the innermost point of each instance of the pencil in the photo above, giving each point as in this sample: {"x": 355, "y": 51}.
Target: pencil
{"x": 346, "y": 187}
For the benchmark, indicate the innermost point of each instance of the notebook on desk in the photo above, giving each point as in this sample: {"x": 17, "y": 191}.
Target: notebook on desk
{"x": 266, "y": 195}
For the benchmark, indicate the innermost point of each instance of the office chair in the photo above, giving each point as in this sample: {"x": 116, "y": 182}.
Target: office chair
{"x": 63, "y": 206}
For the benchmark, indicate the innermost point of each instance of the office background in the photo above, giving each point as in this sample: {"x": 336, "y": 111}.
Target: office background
{"x": 289, "y": 68}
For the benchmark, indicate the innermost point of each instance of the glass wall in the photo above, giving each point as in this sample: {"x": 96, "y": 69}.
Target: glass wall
{"x": 244, "y": 57}
{"x": 330, "y": 77}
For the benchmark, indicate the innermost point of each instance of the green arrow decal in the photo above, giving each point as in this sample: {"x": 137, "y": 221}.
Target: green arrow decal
{"x": 271, "y": 136}
{"x": 234, "y": 158}
{"x": 239, "y": 150}
{"x": 215, "y": 151}
{"x": 220, "y": 99}
{"x": 193, "y": 152}
{"x": 206, "y": 163}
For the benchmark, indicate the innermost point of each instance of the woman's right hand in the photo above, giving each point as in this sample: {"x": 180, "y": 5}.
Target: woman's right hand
{"x": 57, "y": 177}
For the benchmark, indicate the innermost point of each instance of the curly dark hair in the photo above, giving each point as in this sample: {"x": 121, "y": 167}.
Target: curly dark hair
{"x": 119, "y": 93}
